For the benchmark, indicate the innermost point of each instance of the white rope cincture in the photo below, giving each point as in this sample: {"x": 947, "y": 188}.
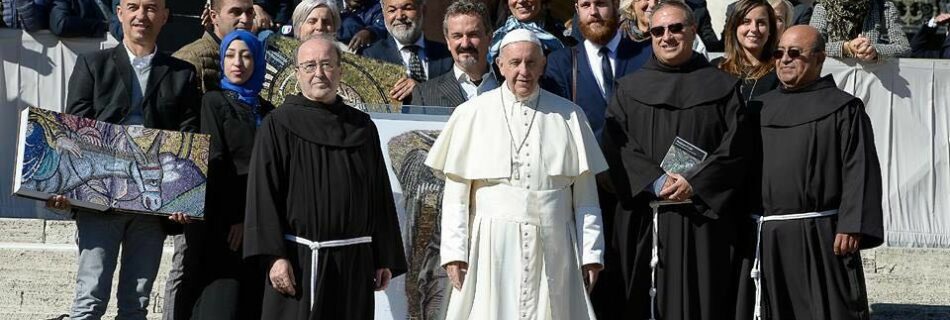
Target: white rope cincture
{"x": 756, "y": 272}
{"x": 655, "y": 258}
{"x": 315, "y": 247}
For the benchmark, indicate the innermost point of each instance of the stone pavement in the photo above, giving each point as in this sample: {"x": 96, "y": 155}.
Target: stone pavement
{"x": 37, "y": 276}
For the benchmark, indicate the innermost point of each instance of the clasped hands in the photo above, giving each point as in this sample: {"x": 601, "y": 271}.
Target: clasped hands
{"x": 456, "y": 271}
{"x": 676, "y": 188}
{"x": 861, "y": 48}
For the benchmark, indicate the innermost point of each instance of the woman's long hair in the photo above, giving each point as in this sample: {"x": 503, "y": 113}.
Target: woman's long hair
{"x": 735, "y": 61}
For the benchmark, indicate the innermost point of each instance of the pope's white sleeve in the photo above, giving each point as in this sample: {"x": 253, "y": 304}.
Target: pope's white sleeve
{"x": 455, "y": 228}
{"x": 590, "y": 225}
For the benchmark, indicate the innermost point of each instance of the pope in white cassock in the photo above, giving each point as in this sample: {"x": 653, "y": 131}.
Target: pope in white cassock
{"x": 521, "y": 225}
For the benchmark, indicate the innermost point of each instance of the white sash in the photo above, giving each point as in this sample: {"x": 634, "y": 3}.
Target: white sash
{"x": 655, "y": 259}
{"x": 756, "y": 265}
{"x": 315, "y": 254}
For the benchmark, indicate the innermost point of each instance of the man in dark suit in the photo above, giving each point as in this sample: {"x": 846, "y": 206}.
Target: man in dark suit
{"x": 594, "y": 81}
{"x": 131, "y": 84}
{"x": 586, "y": 74}
{"x": 407, "y": 46}
{"x": 468, "y": 34}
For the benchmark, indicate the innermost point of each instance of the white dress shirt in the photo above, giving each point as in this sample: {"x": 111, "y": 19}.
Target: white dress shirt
{"x": 469, "y": 88}
{"x": 141, "y": 68}
{"x": 593, "y": 58}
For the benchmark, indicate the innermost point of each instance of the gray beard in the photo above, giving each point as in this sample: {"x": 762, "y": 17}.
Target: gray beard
{"x": 407, "y": 36}
{"x": 467, "y": 63}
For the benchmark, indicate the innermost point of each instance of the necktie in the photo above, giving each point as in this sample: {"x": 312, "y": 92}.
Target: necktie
{"x": 607, "y": 71}
{"x": 416, "y": 72}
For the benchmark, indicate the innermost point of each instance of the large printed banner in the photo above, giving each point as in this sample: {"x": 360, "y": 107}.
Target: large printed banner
{"x": 104, "y": 166}
{"x": 405, "y": 140}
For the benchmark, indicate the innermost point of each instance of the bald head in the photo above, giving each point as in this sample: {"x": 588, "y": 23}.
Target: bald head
{"x": 803, "y": 51}
{"x": 318, "y": 69}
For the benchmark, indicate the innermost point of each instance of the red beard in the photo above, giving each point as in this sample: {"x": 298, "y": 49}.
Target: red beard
{"x": 600, "y": 34}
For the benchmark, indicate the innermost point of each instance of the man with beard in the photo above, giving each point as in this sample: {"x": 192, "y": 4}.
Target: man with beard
{"x": 466, "y": 32}
{"x": 320, "y": 213}
{"x": 689, "y": 242}
{"x": 586, "y": 74}
{"x": 821, "y": 189}
{"x": 407, "y": 46}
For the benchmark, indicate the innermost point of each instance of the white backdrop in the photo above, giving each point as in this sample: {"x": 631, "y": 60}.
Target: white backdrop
{"x": 907, "y": 101}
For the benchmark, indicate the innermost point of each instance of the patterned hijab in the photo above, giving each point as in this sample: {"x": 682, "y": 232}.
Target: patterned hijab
{"x": 248, "y": 91}
{"x": 846, "y": 18}
{"x": 549, "y": 42}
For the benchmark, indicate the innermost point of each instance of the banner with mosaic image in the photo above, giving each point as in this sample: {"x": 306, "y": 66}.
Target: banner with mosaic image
{"x": 103, "y": 166}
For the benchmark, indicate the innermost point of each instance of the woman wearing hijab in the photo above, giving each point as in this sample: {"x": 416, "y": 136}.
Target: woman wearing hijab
{"x": 530, "y": 15}
{"x": 226, "y": 287}
{"x": 866, "y": 30}
{"x": 751, "y": 35}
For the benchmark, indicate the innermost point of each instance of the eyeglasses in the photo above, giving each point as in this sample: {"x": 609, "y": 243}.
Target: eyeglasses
{"x": 311, "y": 67}
{"x": 659, "y": 31}
{"x": 792, "y": 53}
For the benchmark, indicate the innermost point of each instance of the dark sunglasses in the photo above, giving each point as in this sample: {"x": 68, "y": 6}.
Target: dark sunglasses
{"x": 659, "y": 31}
{"x": 792, "y": 53}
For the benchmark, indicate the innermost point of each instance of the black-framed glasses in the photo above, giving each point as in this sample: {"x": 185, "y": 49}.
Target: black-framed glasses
{"x": 793, "y": 53}
{"x": 659, "y": 31}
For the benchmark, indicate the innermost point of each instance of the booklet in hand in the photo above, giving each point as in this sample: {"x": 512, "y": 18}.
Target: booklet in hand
{"x": 682, "y": 156}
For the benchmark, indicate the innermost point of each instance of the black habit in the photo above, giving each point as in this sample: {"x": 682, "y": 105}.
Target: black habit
{"x": 698, "y": 263}
{"x": 818, "y": 154}
{"x": 216, "y": 280}
{"x": 317, "y": 172}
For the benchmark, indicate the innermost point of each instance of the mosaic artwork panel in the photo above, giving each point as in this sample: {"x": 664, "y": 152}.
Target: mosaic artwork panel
{"x": 103, "y": 166}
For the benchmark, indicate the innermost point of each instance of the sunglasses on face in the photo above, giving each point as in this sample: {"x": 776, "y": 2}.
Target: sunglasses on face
{"x": 793, "y": 53}
{"x": 659, "y": 31}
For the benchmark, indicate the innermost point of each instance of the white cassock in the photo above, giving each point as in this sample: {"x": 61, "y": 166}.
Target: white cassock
{"x": 520, "y": 206}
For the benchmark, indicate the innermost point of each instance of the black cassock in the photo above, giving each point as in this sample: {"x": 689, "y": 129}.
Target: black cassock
{"x": 698, "y": 266}
{"x": 817, "y": 154}
{"x": 317, "y": 172}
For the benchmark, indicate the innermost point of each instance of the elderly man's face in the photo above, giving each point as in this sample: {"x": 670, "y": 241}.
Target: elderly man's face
{"x": 318, "y": 22}
{"x": 672, "y": 36}
{"x": 142, "y": 20}
{"x": 525, "y": 10}
{"x": 232, "y": 15}
{"x": 468, "y": 41}
{"x": 598, "y": 20}
{"x": 318, "y": 70}
{"x": 805, "y": 67}
{"x": 403, "y": 20}
{"x": 522, "y": 64}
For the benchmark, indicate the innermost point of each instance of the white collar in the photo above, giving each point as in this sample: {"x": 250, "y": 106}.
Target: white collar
{"x": 612, "y": 44}
{"x": 419, "y": 42}
{"x": 461, "y": 76}
{"x": 509, "y": 96}
{"x": 140, "y": 62}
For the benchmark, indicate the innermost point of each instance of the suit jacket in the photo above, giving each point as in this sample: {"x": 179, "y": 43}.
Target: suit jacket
{"x": 78, "y": 18}
{"x": 100, "y": 88}
{"x": 443, "y": 91}
{"x": 436, "y": 54}
{"x": 558, "y": 76}
{"x": 927, "y": 43}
